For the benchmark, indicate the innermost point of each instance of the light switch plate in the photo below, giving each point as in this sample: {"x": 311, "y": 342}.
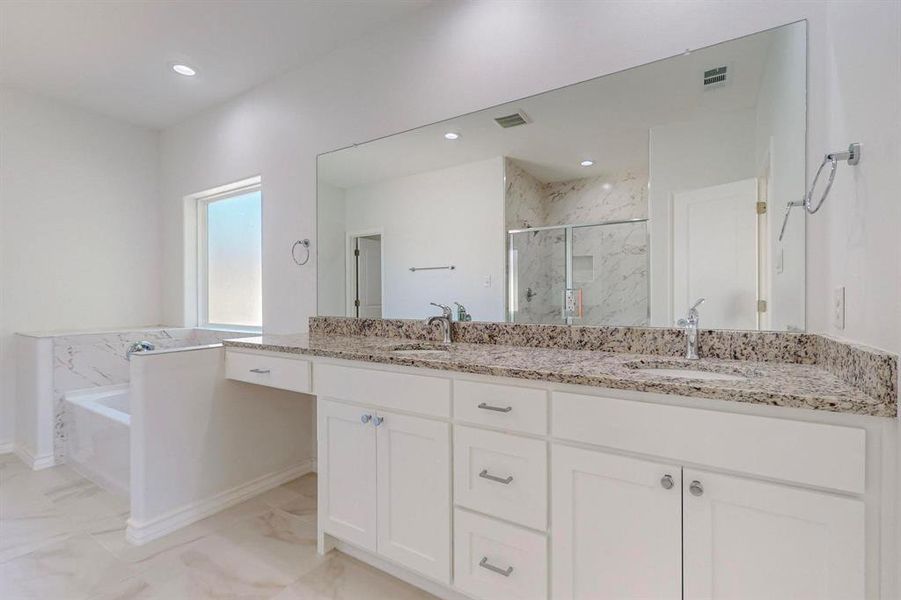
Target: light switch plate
{"x": 838, "y": 307}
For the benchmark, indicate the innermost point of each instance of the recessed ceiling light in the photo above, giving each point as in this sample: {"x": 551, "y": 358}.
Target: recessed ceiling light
{"x": 606, "y": 186}
{"x": 586, "y": 163}
{"x": 450, "y": 135}
{"x": 184, "y": 70}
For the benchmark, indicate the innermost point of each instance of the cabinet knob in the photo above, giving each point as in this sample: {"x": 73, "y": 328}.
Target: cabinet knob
{"x": 365, "y": 419}
{"x": 378, "y": 420}
{"x": 696, "y": 488}
{"x": 667, "y": 482}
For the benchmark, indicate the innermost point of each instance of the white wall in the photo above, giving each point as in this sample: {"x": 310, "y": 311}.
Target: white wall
{"x": 80, "y": 220}
{"x": 686, "y": 156}
{"x": 458, "y": 57}
{"x": 198, "y": 439}
{"x": 451, "y": 216}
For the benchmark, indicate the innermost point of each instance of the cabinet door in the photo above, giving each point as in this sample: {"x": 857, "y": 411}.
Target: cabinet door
{"x": 616, "y": 526}
{"x": 414, "y": 493}
{"x": 750, "y": 539}
{"x": 347, "y": 467}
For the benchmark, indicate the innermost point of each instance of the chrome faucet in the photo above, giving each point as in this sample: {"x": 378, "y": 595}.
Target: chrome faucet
{"x": 444, "y": 319}
{"x": 690, "y": 325}
{"x": 142, "y": 346}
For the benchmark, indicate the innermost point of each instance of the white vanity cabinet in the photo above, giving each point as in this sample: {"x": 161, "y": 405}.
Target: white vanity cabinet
{"x": 617, "y": 526}
{"x": 347, "y": 453}
{"x": 453, "y": 479}
{"x": 751, "y": 539}
{"x": 385, "y": 484}
{"x": 627, "y": 528}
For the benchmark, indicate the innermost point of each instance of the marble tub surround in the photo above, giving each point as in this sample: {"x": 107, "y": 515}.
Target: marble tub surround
{"x": 84, "y": 360}
{"x": 772, "y": 383}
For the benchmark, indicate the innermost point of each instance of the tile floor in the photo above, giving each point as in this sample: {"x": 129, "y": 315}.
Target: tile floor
{"x": 63, "y": 538}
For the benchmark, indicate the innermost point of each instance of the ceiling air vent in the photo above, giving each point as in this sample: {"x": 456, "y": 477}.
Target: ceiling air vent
{"x": 514, "y": 120}
{"x": 715, "y": 77}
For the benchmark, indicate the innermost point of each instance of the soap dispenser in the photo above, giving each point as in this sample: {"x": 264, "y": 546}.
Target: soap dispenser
{"x": 462, "y": 315}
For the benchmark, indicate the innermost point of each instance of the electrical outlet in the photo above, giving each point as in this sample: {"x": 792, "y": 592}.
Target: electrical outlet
{"x": 838, "y": 307}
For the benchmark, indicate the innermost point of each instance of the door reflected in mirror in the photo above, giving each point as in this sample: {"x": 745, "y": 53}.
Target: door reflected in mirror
{"x": 619, "y": 201}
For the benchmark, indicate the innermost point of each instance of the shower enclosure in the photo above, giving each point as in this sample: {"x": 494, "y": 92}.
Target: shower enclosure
{"x": 593, "y": 274}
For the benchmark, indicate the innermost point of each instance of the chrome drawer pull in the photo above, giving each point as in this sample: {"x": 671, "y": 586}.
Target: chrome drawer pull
{"x": 485, "y": 565}
{"x": 260, "y": 371}
{"x": 484, "y": 475}
{"x": 495, "y": 408}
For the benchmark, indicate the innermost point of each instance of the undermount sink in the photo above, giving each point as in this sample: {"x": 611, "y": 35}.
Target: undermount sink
{"x": 418, "y": 349}
{"x": 690, "y": 374}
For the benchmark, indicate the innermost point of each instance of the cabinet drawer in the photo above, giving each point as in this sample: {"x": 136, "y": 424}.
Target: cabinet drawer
{"x": 495, "y": 560}
{"x": 273, "y": 371}
{"x": 400, "y": 391}
{"x": 816, "y": 454}
{"x": 501, "y": 474}
{"x": 508, "y": 407}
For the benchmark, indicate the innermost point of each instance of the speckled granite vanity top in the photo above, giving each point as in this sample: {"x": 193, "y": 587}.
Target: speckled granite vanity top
{"x": 795, "y": 385}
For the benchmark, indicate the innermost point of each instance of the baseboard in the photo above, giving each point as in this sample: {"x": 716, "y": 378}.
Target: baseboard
{"x": 35, "y": 462}
{"x": 139, "y": 533}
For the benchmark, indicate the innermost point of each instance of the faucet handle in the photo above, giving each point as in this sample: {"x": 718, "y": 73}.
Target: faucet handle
{"x": 444, "y": 308}
{"x": 699, "y": 302}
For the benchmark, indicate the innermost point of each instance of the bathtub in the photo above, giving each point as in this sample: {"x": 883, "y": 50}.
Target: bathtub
{"x": 98, "y": 425}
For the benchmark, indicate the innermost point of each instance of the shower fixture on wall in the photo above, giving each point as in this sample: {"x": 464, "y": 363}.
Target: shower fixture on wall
{"x": 851, "y": 155}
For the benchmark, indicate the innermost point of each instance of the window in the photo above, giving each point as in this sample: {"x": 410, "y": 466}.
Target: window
{"x": 230, "y": 252}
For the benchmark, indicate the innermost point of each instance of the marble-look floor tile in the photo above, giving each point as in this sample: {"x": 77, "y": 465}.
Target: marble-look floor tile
{"x": 62, "y": 538}
{"x": 341, "y": 577}
{"x": 28, "y": 521}
{"x": 213, "y": 567}
{"x": 72, "y": 569}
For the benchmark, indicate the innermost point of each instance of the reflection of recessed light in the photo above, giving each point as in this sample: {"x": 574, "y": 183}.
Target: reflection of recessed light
{"x": 450, "y": 135}
{"x": 586, "y": 163}
{"x": 184, "y": 70}
{"x": 606, "y": 186}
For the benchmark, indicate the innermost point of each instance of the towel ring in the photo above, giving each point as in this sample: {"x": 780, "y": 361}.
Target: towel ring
{"x": 851, "y": 155}
{"x": 305, "y": 244}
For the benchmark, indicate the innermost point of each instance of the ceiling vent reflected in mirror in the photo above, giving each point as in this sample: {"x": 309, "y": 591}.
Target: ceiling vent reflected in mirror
{"x": 515, "y": 120}
{"x": 716, "y": 77}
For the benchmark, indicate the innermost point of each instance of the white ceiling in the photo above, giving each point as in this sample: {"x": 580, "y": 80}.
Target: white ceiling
{"x": 114, "y": 57}
{"x": 605, "y": 119}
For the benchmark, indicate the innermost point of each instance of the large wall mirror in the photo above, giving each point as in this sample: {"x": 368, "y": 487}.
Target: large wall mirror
{"x": 617, "y": 201}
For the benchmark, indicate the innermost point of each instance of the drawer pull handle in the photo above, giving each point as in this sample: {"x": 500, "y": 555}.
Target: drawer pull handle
{"x": 506, "y": 481}
{"x": 260, "y": 371}
{"x": 486, "y": 565}
{"x": 484, "y": 406}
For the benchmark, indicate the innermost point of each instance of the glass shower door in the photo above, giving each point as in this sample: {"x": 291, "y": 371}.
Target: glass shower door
{"x": 609, "y": 263}
{"x": 536, "y": 275}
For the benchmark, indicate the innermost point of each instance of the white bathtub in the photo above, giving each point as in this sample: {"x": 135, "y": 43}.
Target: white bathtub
{"x": 98, "y": 425}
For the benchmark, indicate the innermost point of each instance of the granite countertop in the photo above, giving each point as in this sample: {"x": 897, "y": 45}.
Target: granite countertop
{"x": 768, "y": 383}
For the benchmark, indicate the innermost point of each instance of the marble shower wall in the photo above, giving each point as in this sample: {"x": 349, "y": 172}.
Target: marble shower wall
{"x": 610, "y": 263}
